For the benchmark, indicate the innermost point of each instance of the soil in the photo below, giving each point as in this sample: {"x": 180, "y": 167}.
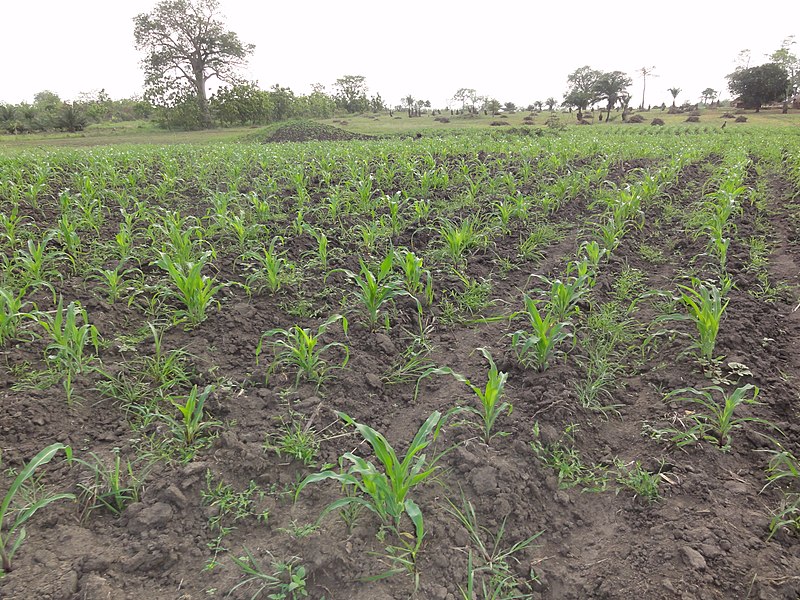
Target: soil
{"x": 705, "y": 538}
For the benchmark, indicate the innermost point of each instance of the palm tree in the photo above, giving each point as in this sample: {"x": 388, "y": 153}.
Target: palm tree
{"x": 611, "y": 87}
{"x": 409, "y": 100}
{"x": 550, "y": 103}
{"x": 645, "y": 71}
{"x": 674, "y": 91}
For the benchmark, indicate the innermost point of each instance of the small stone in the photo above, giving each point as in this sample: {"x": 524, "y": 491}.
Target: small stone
{"x": 174, "y": 496}
{"x": 70, "y": 584}
{"x": 94, "y": 587}
{"x": 374, "y": 381}
{"x": 693, "y": 558}
{"x": 385, "y": 344}
{"x": 562, "y": 497}
{"x": 484, "y": 480}
{"x": 151, "y": 517}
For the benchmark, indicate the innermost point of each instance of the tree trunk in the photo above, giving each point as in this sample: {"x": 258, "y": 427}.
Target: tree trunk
{"x": 202, "y": 99}
{"x": 785, "y": 107}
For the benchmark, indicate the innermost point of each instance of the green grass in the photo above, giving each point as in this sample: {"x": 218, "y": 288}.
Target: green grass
{"x": 143, "y": 132}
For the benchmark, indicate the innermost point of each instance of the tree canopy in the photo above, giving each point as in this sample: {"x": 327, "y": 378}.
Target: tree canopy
{"x": 760, "y": 85}
{"x": 582, "y": 90}
{"x": 187, "y": 44}
{"x": 351, "y": 93}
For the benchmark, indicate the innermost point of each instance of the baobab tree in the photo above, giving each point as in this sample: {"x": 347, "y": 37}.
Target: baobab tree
{"x": 186, "y": 43}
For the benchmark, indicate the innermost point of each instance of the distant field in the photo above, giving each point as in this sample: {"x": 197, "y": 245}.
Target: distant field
{"x": 142, "y": 132}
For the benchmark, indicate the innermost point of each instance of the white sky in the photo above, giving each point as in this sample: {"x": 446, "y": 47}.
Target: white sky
{"x": 518, "y": 51}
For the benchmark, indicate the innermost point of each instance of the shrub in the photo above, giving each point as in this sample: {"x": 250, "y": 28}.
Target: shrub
{"x": 636, "y": 119}
{"x": 741, "y": 119}
{"x": 693, "y": 119}
{"x": 657, "y": 121}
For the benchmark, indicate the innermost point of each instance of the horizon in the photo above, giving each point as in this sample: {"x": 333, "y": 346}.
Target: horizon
{"x": 491, "y": 51}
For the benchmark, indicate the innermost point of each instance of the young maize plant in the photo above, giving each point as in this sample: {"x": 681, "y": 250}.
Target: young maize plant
{"x": 457, "y": 239}
{"x": 14, "y": 516}
{"x": 301, "y": 349}
{"x": 564, "y": 297}
{"x": 191, "y": 428}
{"x": 193, "y": 289}
{"x": 376, "y": 289}
{"x": 705, "y": 307}
{"x": 270, "y": 269}
{"x": 538, "y": 346}
{"x": 417, "y": 279}
{"x": 70, "y": 333}
{"x": 489, "y": 398}
{"x": 712, "y": 421}
{"x": 386, "y": 490}
{"x": 11, "y": 314}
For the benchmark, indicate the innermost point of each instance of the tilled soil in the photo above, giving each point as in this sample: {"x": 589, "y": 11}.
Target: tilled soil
{"x": 704, "y": 537}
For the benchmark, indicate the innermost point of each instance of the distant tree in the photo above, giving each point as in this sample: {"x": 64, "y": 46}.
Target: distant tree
{"x": 674, "y": 91}
{"x": 282, "y": 101}
{"x": 757, "y": 86}
{"x": 509, "y": 107}
{"x": 743, "y": 59}
{"x": 550, "y": 103}
{"x": 467, "y": 96}
{"x": 491, "y": 105}
{"x": 241, "y": 104}
{"x": 582, "y": 91}
{"x": 186, "y": 42}
{"x": 645, "y": 71}
{"x": 538, "y": 105}
{"x": 709, "y": 95}
{"x": 71, "y": 117}
{"x": 611, "y": 87}
{"x": 376, "y": 103}
{"x": 408, "y": 101}
{"x": 351, "y": 93}
{"x": 788, "y": 60}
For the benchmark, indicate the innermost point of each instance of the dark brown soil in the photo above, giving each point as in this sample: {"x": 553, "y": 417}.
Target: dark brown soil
{"x": 705, "y": 538}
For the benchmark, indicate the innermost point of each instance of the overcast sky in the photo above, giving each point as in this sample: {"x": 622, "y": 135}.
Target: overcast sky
{"x": 518, "y": 51}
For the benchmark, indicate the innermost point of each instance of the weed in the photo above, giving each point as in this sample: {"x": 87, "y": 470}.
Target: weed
{"x": 284, "y": 580}
{"x": 114, "y": 486}
{"x": 295, "y": 439}
{"x": 489, "y": 568}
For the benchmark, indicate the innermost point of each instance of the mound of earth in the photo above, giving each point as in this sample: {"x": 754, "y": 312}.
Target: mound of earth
{"x": 309, "y": 131}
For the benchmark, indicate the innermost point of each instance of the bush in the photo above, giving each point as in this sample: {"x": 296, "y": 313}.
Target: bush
{"x": 442, "y": 119}
{"x": 693, "y": 119}
{"x": 498, "y": 124}
{"x": 727, "y": 115}
{"x": 741, "y": 119}
{"x": 636, "y": 119}
{"x": 657, "y": 121}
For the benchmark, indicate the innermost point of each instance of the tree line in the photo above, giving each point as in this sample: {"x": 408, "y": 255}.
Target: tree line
{"x": 186, "y": 45}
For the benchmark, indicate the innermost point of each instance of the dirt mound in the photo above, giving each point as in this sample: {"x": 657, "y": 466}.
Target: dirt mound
{"x": 309, "y": 131}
